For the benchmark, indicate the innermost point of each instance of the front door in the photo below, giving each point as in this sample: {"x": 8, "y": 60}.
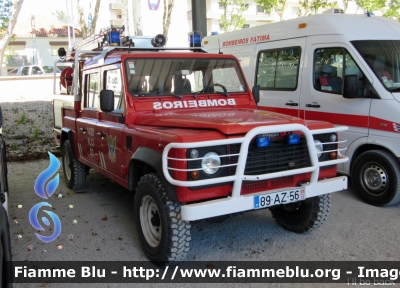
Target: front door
{"x": 324, "y": 100}
{"x": 110, "y": 139}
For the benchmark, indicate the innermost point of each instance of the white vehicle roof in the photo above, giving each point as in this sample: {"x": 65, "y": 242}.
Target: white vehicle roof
{"x": 353, "y": 27}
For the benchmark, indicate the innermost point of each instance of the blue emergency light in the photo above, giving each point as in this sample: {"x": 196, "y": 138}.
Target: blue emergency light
{"x": 113, "y": 37}
{"x": 262, "y": 142}
{"x": 293, "y": 139}
{"x": 195, "y": 39}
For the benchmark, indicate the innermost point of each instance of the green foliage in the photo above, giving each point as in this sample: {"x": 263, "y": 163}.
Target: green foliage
{"x": 371, "y": 5}
{"x": 232, "y": 18}
{"x": 278, "y": 5}
{"x": 61, "y": 16}
{"x": 14, "y": 146}
{"x": 36, "y": 133}
{"x": 268, "y": 5}
{"x": 22, "y": 120}
{"x": 393, "y": 10}
{"x": 308, "y": 7}
{"x": 5, "y": 13}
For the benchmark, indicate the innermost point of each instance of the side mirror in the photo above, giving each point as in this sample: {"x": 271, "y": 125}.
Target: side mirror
{"x": 107, "y": 100}
{"x": 351, "y": 86}
{"x": 256, "y": 93}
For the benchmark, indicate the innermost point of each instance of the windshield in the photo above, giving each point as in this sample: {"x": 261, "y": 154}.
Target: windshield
{"x": 383, "y": 56}
{"x": 183, "y": 76}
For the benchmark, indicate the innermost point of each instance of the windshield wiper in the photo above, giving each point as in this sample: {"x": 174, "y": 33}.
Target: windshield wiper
{"x": 223, "y": 93}
{"x": 209, "y": 90}
{"x": 173, "y": 94}
{"x": 160, "y": 93}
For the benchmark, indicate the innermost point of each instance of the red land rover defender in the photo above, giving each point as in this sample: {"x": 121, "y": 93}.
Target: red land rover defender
{"x": 181, "y": 129}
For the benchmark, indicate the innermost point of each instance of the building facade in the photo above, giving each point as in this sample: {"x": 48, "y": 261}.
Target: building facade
{"x": 35, "y": 42}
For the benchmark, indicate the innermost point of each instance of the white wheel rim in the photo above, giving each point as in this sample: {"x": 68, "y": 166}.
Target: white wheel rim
{"x": 150, "y": 221}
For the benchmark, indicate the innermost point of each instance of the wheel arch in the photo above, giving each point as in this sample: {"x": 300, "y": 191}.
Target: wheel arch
{"x": 67, "y": 134}
{"x": 144, "y": 161}
{"x": 367, "y": 147}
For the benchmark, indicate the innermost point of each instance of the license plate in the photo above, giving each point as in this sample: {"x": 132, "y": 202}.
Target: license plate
{"x": 282, "y": 197}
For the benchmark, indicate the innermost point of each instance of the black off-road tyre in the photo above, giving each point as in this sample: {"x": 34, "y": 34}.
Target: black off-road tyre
{"x": 74, "y": 171}
{"x": 375, "y": 176}
{"x": 303, "y": 216}
{"x": 163, "y": 234}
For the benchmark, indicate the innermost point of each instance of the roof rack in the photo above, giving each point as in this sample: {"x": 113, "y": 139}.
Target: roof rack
{"x": 112, "y": 38}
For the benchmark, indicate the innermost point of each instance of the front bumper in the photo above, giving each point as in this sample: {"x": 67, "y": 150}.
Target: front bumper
{"x": 229, "y": 205}
{"x": 237, "y": 202}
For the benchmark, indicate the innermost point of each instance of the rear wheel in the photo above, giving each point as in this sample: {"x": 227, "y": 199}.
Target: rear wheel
{"x": 303, "y": 216}
{"x": 376, "y": 177}
{"x": 163, "y": 234}
{"x": 74, "y": 171}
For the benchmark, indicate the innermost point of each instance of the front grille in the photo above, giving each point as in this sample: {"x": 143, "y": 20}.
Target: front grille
{"x": 274, "y": 158}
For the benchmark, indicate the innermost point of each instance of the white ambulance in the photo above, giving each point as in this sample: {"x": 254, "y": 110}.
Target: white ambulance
{"x": 341, "y": 68}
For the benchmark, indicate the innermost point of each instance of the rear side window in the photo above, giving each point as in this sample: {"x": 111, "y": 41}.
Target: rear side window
{"x": 278, "y": 69}
{"x": 92, "y": 90}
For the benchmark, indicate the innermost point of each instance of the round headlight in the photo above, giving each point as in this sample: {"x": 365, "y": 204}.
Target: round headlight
{"x": 211, "y": 163}
{"x": 319, "y": 147}
{"x": 333, "y": 137}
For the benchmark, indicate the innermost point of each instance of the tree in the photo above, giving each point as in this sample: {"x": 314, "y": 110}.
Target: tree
{"x": 5, "y": 13}
{"x": 267, "y": 5}
{"x": 86, "y": 31}
{"x": 60, "y": 15}
{"x": 278, "y": 5}
{"x": 280, "y": 9}
{"x": 346, "y": 4}
{"x": 232, "y": 18}
{"x": 168, "y": 5}
{"x": 393, "y": 10}
{"x": 307, "y": 7}
{"x": 8, "y": 18}
{"x": 371, "y": 5}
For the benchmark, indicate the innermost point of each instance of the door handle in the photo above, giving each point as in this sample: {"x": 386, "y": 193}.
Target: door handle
{"x": 291, "y": 103}
{"x": 313, "y": 105}
{"x": 83, "y": 129}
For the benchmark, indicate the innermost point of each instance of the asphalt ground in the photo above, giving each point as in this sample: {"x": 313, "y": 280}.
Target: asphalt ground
{"x": 97, "y": 225}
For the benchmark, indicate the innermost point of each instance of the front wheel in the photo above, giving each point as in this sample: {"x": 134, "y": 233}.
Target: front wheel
{"x": 376, "y": 178}
{"x": 163, "y": 234}
{"x": 303, "y": 216}
{"x": 74, "y": 171}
